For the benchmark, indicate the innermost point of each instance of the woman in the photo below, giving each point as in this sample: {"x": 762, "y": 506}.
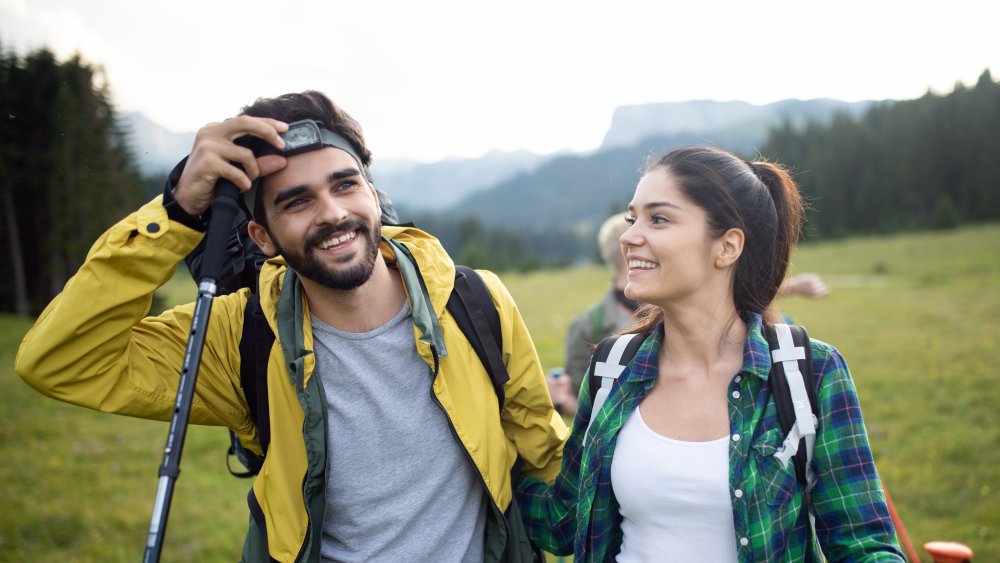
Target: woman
{"x": 678, "y": 465}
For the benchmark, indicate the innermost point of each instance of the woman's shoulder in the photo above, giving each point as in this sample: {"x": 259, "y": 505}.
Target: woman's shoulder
{"x": 820, "y": 349}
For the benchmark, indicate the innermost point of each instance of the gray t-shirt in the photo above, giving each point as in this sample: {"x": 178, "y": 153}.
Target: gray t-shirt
{"x": 401, "y": 487}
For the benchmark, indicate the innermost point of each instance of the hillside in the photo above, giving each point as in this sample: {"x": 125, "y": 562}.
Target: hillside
{"x": 579, "y": 191}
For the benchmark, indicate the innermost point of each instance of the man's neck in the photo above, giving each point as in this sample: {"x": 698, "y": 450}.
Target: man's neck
{"x": 363, "y": 308}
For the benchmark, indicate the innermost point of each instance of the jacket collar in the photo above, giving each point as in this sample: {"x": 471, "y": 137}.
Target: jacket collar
{"x": 427, "y": 271}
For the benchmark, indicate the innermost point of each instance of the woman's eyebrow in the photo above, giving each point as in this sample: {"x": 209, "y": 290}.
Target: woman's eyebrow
{"x": 655, "y": 204}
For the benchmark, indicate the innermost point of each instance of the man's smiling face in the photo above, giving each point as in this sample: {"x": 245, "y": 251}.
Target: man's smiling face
{"x": 323, "y": 217}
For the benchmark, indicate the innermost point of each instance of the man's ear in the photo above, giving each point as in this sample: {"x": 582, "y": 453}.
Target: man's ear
{"x": 729, "y": 247}
{"x": 260, "y": 237}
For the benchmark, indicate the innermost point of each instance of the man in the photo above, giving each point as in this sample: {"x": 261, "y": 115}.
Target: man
{"x": 387, "y": 441}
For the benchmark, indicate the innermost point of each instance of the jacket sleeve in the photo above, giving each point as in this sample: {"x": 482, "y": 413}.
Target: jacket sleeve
{"x": 529, "y": 420}
{"x": 92, "y": 346}
{"x": 852, "y": 517}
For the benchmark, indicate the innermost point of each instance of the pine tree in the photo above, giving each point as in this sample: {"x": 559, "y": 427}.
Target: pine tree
{"x": 67, "y": 173}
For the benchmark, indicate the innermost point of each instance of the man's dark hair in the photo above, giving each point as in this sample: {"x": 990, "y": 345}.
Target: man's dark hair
{"x": 310, "y": 105}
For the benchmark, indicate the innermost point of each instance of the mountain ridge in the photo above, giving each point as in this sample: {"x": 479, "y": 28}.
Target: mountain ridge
{"x": 485, "y": 187}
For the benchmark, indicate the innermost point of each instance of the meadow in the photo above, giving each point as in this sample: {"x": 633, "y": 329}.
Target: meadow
{"x": 915, "y": 315}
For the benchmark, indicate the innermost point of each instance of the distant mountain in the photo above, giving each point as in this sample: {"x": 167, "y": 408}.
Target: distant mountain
{"x": 156, "y": 149}
{"x": 577, "y": 192}
{"x": 435, "y": 186}
{"x": 632, "y": 124}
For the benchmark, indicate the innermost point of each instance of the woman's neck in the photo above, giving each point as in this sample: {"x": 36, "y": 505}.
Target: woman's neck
{"x": 704, "y": 336}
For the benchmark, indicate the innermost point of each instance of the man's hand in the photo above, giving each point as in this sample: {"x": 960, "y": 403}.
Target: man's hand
{"x": 561, "y": 391}
{"x": 807, "y": 285}
{"x": 215, "y": 155}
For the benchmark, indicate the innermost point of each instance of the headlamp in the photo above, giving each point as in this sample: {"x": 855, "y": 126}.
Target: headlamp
{"x": 302, "y": 136}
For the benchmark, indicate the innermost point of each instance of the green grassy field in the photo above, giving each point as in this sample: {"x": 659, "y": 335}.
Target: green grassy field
{"x": 915, "y": 315}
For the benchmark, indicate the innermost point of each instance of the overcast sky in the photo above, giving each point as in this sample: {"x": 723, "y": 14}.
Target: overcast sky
{"x": 431, "y": 79}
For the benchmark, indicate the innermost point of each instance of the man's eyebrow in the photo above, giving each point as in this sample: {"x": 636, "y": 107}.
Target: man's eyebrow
{"x": 295, "y": 191}
{"x": 290, "y": 193}
{"x": 343, "y": 173}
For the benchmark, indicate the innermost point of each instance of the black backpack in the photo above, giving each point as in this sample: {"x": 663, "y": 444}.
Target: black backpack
{"x": 790, "y": 350}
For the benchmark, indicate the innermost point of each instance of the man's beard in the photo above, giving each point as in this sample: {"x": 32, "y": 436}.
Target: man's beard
{"x": 308, "y": 266}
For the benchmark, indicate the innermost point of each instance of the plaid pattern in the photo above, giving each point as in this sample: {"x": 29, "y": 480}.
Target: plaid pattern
{"x": 578, "y": 513}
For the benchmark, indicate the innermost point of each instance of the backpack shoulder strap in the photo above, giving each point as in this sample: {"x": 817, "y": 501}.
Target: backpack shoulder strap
{"x": 793, "y": 386}
{"x": 609, "y": 360}
{"x": 471, "y": 304}
{"x": 255, "y": 348}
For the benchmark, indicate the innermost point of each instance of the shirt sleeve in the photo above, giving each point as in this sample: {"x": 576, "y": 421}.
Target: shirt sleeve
{"x": 852, "y": 517}
{"x": 551, "y": 510}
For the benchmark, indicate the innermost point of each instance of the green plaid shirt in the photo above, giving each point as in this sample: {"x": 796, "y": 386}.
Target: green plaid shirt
{"x": 579, "y": 514}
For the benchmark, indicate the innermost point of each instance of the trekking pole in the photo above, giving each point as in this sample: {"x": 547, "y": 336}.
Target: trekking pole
{"x": 224, "y": 208}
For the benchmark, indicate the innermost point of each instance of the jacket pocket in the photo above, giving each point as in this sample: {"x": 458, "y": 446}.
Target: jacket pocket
{"x": 777, "y": 482}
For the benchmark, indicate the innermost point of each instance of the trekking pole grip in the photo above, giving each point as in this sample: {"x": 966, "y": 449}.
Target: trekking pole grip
{"x": 224, "y": 209}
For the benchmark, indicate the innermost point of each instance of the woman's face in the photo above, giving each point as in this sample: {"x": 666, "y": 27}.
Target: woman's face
{"x": 670, "y": 254}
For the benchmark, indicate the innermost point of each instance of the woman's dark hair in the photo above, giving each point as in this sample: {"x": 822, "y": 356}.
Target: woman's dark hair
{"x": 760, "y": 198}
{"x": 311, "y": 105}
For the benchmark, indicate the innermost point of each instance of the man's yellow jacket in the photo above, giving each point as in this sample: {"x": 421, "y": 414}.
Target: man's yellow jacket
{"x": 93, "y": 346}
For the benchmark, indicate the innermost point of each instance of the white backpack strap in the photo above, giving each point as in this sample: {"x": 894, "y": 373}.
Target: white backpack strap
{"x": 608, "y": 370}
{"x": 805, "y": 421}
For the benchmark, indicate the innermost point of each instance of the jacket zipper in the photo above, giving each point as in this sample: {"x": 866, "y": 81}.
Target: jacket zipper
{"x": 305, "y": 480}
{"x": 454, "y": 433}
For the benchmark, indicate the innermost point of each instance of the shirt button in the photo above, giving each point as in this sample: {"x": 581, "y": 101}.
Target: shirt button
{"x": 738, "y": 378}
{"x": 738, "y": 493}
{"x": 744, "y": 542}
{"x": 153, "y": 228}
{"x": 736, "y": 394}
{"x": 736, "y": 437}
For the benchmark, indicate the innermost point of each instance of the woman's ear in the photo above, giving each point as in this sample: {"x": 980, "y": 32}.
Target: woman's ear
{"x": 729, "y": 247}
{"x": 259, "y": 235}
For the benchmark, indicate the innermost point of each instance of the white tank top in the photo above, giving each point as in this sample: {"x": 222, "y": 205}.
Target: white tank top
{"x": 674, "y": 496}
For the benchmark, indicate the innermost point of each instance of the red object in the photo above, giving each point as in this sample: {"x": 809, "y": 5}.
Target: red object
{"x": 901, "y": 533}
{"x": 948, "y": 551}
